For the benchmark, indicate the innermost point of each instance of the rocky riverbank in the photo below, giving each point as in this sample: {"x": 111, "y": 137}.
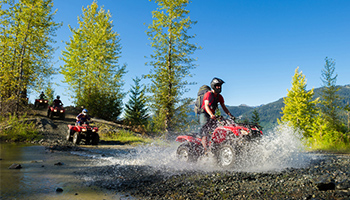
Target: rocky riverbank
{"x": 324, "y": 178}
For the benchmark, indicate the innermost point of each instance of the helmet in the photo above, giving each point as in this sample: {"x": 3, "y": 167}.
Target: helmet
{"x": 215, "y": 82}
{"x": 84, "y": 111}
{"x": 58, "y": 96}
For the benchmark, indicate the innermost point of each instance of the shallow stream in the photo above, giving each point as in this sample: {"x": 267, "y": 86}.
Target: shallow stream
{"x": 41, "y": 175}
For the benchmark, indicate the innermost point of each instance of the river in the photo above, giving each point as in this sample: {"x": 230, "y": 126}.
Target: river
{"x": 41, "y": 175}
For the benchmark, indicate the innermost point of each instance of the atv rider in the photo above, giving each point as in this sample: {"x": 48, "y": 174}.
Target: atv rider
{"x": 82, "y": 117}
{"x": 57, "y": 102}
{"x": 42, "y": 96}
{"x": 207, "y": 118}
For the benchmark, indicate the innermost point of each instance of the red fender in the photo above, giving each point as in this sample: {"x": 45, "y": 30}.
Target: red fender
{"x": 74, "y": 128}
{"x": 184, "y": 138}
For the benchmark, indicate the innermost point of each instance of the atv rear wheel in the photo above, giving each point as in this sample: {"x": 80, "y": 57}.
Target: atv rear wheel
{"x": 226, "y": 156}
{"x": 95, "y": 139}
{"x": 186, "y": 152}
{"x": 76, "y": 138}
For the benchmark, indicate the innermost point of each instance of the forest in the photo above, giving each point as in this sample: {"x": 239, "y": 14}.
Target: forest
{"x": 95, "y": 77}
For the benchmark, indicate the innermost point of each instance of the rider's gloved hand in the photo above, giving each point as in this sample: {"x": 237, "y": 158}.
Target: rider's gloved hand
{"x": 213, "y": 117}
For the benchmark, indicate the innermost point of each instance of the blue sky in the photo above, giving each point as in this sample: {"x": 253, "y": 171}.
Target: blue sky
{"x": 253, "y": 45}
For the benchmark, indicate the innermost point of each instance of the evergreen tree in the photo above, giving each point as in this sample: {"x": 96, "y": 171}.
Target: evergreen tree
{"x": 50, "y": 92}
{"x": 330, "y": 100}
{"x": 299, "y": 110}
{"x": 255, "y": 119}
{"x": 171, "y": 63}
{"x": 26, "y": 34}
{"x": 329, "y": 131}
{"x": 91, "y": 64}
{"x": 136, "y": 112}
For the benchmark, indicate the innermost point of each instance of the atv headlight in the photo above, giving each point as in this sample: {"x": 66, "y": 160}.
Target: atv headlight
{"x": 84, "y": 129}
{"x": 93, "y": 130}
{"x": 244, "y": 132}
{"x": 61, "y": 111}
{"x": 55, "y": 110}
{"x": 41, "y": 101}
{"x": 45, "y": 102}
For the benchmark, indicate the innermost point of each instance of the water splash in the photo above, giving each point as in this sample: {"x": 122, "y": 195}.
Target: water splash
{"x": 277, "y": 150}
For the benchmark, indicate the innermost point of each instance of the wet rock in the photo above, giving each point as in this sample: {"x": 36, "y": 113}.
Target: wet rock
{"x": 36, "y": 161}
{"x": 59, "y": 163}
{"x": 344, "y": 185}
{"x": 324, "y": 183}
{"x": 15, "y": 166}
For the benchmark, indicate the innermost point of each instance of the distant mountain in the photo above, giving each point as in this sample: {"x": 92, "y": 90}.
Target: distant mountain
{"x": 270, "y": 112}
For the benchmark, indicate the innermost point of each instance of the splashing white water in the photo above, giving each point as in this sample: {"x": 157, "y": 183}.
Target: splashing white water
{"x": 277, "y": 150}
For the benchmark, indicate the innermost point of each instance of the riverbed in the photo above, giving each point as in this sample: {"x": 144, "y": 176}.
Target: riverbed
{"x": 44, "y": 172}
{"x": 275, "y": 169}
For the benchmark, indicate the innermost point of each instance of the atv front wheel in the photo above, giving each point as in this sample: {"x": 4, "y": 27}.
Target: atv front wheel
{"x": 186, "y": 153}
{"x": 69, "y": 135}
{"x": 226, "y": 156}
{"x": 76, "y": 138}
{"x": 51, "y": 115}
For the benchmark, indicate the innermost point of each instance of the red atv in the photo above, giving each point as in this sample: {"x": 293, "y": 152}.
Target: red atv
{"x": 77, "y": 133}
{"x": 40, "y": 103}
{"x": 56, "y": 111}
{"x": 226, "y": 142}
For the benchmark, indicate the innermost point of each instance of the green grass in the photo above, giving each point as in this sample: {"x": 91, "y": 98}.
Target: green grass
{"x": 125, "y": 136}
{"x": 332, "y": 148}
{"x": 17, "y": 129}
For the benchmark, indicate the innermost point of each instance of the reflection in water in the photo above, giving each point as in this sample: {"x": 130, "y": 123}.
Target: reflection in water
{"x": 25, "y": 181}
{"x": 39, "y": 177}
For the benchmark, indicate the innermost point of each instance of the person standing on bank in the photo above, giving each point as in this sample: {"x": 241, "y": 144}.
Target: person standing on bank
{"x": 207, "y": 118}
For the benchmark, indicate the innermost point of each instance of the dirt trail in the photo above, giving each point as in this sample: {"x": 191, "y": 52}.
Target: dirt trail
{"x": 54, "y": 130}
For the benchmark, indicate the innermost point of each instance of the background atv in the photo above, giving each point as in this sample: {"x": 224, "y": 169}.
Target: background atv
{"x": 40, "y": 103}
{"x": 86, "y": 133}
{"x": 56, "y": 111}
{"x": 226, "y": 142}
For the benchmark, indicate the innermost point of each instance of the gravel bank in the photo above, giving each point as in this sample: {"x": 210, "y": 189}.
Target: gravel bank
{"x": 325, "y": 178}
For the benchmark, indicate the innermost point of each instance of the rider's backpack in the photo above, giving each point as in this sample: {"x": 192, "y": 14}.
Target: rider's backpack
{"x": 198, "y": 105}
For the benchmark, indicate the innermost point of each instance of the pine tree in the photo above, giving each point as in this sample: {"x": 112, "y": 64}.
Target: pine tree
{"x": 299, "y": 110}
{"x": 255, "y": 119}
{"x": 329, "y": 130}
{"x": 136, "y": 112}
{"x": 171, "y": 63}
{"x": 330, "y": 100}
{"x": 91, "y": 64}
{"x": 26, "y": 35}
